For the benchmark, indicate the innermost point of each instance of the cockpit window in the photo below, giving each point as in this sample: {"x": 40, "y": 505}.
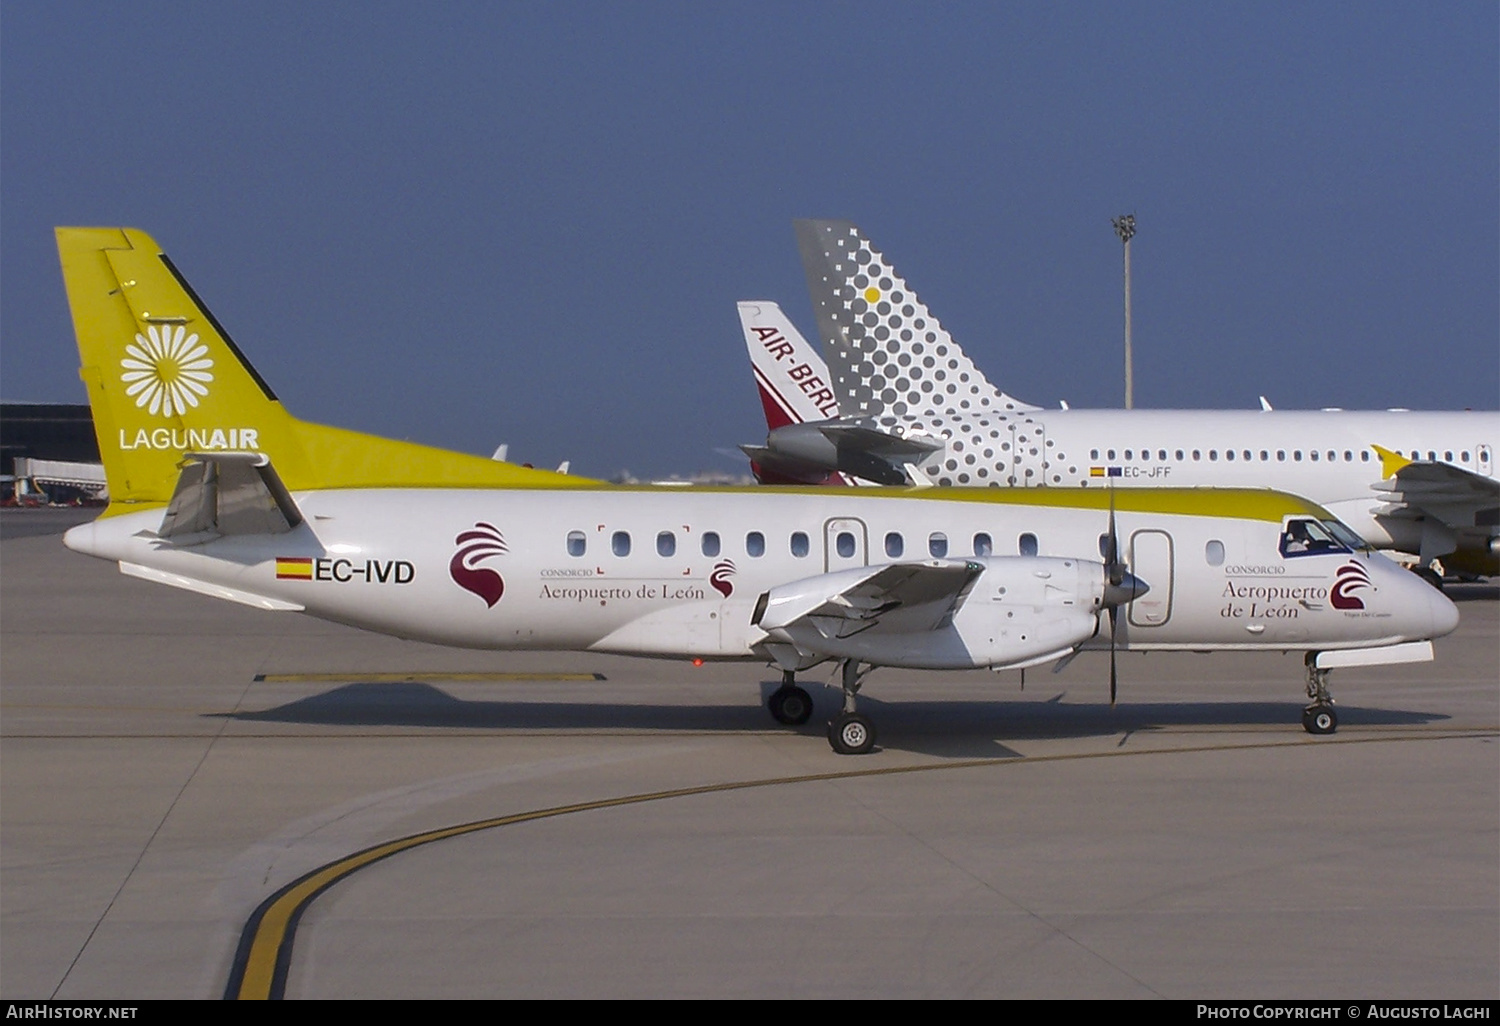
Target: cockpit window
{"x": 1309, "y": 538}
{"x": 1346, "y": 535}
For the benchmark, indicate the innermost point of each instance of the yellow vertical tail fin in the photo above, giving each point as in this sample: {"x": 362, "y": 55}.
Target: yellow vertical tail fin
{"x": 165, "y": 379}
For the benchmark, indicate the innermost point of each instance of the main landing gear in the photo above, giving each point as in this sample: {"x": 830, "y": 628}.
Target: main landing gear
{"x": 1319, "y": 717}
{"x": 790, "y": 704}
{"x": 850, "y": 733}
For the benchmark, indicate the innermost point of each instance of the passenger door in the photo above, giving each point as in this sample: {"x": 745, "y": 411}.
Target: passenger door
{"x": 1151, "y": 561}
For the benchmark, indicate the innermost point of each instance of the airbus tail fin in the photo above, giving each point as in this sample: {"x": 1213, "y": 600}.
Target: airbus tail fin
{"x": 885, "y": 350}
{"x": 165, "y": 379}
{"x": 790, "y": 375}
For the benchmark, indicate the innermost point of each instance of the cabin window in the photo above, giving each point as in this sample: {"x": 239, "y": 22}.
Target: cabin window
{"x": 619, "y": 543}
{"x": 1348, "y": 456}
{"x": 1448, "y": 456}
{"x": 799, "y": 544}
{"x": 1127, "y": 453}
{"x": 894, "y": 545}
{"x": 1464, "y": 455}
{"x": 1229, "y": 454}
{"x": 1111, "y": 454}
{"x": 755, "y": 544}
{"x": 1093, "y": 454}
{"x": 937, "y": 544}
{"x": 1197, "y": 455}
{"x": 1179, "y": 454}
{"x": 1026, "y": 544}
{"x": 666, "y": 544}
{"x": 1213, "y": 552}
{"x": 711, "y": 543}
{"x": 1332, "y": 456}
{"x": 577, "y": 543}
{"x": 844, "y": 544}
{"x": 1281, "y": 455}
{"x": 1264, "y": 456}
{"x": 1213, "y": 454}
{"x": 1161, "y": 454}
{"x": 1296, "y": 455}
{"x": 1104, "y": 546}
{"x": 983, "y": 545}
{"x": 1431, "y": 454}
{"x": 1313, "y": 455}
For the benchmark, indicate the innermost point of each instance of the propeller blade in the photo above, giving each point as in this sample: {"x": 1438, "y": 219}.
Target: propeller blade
{"x": 1114, "y": 567}
{"x": 1114, "y": 626}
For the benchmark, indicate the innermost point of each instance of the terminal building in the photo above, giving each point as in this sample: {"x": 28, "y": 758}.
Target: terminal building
{"x": 48, "y": 453}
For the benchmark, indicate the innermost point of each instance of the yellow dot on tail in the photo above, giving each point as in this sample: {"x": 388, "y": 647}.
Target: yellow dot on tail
{"x": 871, "y": 295}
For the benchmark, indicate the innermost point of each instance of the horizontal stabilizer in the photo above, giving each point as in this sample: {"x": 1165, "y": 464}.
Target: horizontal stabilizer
{"x": 899, "y": 449}
{"x": 224, "y": 493}
{"x": 246, "y": 598}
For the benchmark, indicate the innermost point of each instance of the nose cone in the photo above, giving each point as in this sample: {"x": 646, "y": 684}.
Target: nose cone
{"x": 1130, "y": 588}
{"x": 1421, "y": 611}
{"x": 1441, "y": 610}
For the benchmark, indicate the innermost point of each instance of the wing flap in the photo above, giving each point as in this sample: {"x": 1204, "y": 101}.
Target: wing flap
{"x": 1453, "y": 495}
{"x": 898, "y": 597}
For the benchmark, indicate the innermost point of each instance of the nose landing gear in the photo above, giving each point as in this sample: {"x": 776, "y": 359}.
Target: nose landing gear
{"x": 1319, "y": 717}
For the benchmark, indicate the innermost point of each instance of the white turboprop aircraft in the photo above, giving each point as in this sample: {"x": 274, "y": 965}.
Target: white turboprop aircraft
{"x": 913, "y": 407}
{"x": 215, "y": 488}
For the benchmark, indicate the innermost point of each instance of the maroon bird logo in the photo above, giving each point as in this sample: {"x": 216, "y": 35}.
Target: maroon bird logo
{"x": 1351, "y": 577}
{"x": 720, "y": 578}
{"x": 479, "y": 543}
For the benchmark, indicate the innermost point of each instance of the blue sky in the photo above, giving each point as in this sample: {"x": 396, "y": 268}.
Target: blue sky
{"x": 468, "y": 223}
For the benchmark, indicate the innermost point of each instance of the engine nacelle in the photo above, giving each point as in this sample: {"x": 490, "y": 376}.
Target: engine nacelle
{"x": 1023, "y": 610}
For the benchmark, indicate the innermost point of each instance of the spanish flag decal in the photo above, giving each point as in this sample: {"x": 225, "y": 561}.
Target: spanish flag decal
{"x": 294, "y": 568}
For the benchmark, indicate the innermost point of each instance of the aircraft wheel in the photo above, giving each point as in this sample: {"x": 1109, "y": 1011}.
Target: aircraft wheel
{"x": 1320, "y": 719}
{"x": 1429, "y": 575}
{"x": 792, "y": 706}
{"x": 851, "y": 734}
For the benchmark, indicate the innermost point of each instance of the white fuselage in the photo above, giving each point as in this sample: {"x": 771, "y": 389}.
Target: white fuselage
{"x": 1324, "y": 456}
{"x": 678, "y": 572}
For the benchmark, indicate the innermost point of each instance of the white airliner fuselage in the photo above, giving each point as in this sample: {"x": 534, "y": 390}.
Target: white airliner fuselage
{"x": 680, "y": 573}
{"x": 1326, "y": 456}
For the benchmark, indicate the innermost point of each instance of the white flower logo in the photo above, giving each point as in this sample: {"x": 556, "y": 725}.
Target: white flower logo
{"x": 166, "y": 370}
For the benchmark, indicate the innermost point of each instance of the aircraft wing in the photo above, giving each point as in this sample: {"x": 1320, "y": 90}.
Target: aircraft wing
{"x": 900, "y": 597}
{"x": 223, "y": 493}
{"x": 1459, "y": 498}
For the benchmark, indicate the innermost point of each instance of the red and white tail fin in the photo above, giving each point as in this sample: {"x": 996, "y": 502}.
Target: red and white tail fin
{"x": 790, "y": 375}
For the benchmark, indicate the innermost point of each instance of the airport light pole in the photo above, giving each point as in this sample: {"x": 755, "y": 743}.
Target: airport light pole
{"x": 1125, "y": 229}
